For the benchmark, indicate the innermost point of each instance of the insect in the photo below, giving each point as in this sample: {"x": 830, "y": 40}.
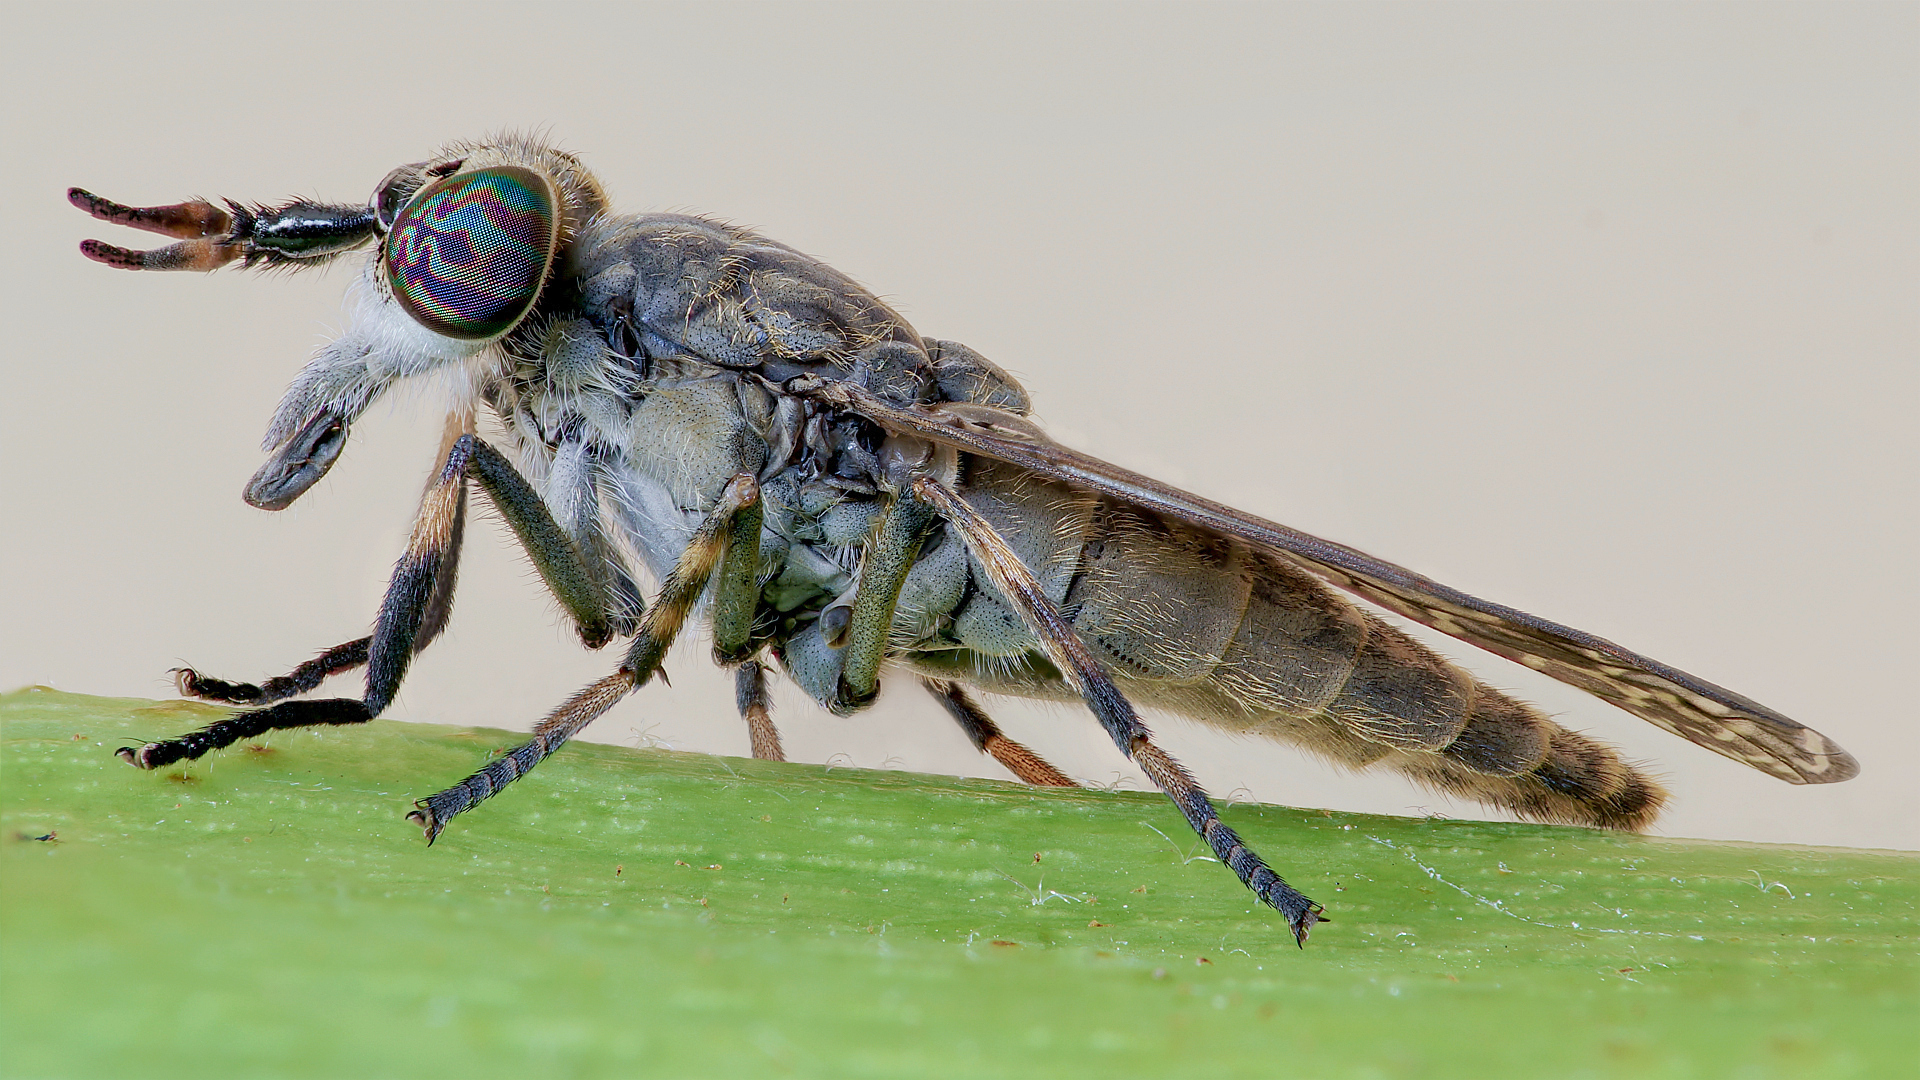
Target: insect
{"x": 685, "y": 401}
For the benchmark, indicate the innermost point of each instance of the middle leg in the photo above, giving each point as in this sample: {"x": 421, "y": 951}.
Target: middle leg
{"x": 716, "y": 536}
{"x": 883, "y": 573}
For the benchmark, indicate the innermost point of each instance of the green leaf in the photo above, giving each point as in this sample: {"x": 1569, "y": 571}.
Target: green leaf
{"x": 267, "y": 911}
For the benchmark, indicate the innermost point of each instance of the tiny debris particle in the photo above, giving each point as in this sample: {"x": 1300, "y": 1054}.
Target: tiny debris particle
{"x": 1623, "y": 971}
{"x": 77, "y": 737}
{"x": 1006, "y": 944}
{"x": 1141, "y": 889}
{"x": 715, "y": 866}
{"x": 681, "y": 862}
{"x": 1092, "y": 923}
{"x": 766, "y": 817}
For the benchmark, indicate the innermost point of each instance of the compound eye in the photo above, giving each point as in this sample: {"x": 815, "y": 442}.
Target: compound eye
{"x": 467, "y": 255}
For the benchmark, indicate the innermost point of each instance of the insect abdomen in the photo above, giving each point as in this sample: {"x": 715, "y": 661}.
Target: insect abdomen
{"x": 1247, "y": 641}
{"x": 1307, "y": 666}
{"x": 1244, "y": 640}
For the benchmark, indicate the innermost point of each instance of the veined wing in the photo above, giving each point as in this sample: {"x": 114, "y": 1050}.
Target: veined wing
{"x": 1686, "y": 705}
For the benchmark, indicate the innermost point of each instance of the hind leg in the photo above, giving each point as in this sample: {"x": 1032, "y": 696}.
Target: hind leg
{"x": 987, "y": 738}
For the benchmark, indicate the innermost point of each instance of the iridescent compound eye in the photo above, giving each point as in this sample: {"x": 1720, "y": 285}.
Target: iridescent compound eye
{"x": 467, "y": 256}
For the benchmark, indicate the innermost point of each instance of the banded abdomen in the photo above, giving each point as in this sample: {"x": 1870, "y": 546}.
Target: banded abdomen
{"x": 1245, "y": 640}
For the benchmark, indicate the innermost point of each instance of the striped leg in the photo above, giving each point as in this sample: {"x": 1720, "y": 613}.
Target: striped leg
{"x": 1115, "y": 712}
{"x": 658, "y": 628}
{"x": 585, "y": 581}
{"x": 342, "y": 657}
{"x": 418, "y": 602}
{"x": 295, "y": 459}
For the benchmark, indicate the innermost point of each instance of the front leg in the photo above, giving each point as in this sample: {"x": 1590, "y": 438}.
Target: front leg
{"x": 418, "y": 600}
{"x": 293, "y": 466}
{"x": 343, "y": 657}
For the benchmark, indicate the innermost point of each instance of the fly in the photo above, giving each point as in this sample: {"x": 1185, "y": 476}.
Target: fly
{"x": 687, "y": 402}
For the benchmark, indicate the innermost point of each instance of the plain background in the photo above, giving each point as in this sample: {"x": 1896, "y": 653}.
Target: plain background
{"x": 1606, "y": 312}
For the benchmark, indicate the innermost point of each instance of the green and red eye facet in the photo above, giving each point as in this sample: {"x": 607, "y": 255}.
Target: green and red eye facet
{"x": 467, "y": 256}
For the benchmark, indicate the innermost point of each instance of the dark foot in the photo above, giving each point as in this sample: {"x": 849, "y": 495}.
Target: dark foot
{"x": 429, "y": 824}
{"x": 1302, "y": 923}
{"x": 245, "y": 725}
{"x": 191, "y": 683}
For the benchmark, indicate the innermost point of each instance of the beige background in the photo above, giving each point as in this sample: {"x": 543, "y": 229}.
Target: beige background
{"x": 1604, "y": 312}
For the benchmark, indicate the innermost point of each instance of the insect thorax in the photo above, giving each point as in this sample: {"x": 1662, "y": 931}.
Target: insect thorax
{"x": 652, "y": 373}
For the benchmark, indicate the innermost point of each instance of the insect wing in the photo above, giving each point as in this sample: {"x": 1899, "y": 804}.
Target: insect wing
{"x": 1686, "y": 705}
